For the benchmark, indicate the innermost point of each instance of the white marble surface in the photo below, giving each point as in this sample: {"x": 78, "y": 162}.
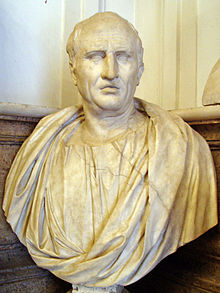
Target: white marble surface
{"x": 189, "y": 114}
{"x": 132, "y": 236}
{"x": 25, "y": 110}
{"x": 199, "y": 113}
{"x": 110, "y": 289}
{"x": 211, "y": 94}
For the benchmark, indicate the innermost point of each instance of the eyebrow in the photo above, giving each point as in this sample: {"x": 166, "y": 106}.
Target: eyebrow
{"x": 95, "y": 51}
{"x": 89, "y": 53}
{"x": 129, "y": 52}
{"x": 119, "y": 51}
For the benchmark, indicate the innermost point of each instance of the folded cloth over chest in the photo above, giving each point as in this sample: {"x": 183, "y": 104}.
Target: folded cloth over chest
{"x": 99, "y": 215}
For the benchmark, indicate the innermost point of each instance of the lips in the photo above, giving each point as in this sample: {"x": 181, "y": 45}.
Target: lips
{"x": 109, "y": 87}
{"x": 109, "y": 90}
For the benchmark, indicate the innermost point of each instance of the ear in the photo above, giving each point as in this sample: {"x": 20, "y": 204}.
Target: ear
{"x": 140, "y": 72}
{"x": 73, "y": 71}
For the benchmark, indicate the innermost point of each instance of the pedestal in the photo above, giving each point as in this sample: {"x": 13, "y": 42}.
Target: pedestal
{"x": 110, "y": 289}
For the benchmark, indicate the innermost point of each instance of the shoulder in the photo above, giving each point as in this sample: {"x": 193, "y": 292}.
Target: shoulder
{"x": 155, "y": 111}
{"x": 169, "y": 126}
{"x": 62, "y": 115}
{"x": 53, "y": 123}
{"x": 162, "y": 120}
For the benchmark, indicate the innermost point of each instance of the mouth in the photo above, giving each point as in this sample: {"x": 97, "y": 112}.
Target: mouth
{"x": 109, "y": 91}
{"x": 109, "y": 87}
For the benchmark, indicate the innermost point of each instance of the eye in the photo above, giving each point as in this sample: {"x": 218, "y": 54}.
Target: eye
{"x": 123, "y": 56}
{"x": 95, "y": 56}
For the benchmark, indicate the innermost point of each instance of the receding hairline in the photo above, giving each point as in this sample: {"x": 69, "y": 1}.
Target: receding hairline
{"x": 82, "y": 26}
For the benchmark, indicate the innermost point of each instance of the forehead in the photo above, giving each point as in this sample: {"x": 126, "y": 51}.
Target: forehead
{"x": 101, "y": 36}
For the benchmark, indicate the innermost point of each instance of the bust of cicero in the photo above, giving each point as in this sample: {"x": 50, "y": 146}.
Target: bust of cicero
{"x": 101, "y": 192}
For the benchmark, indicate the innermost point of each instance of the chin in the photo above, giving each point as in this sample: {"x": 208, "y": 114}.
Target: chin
{"x": 109, "y": 102}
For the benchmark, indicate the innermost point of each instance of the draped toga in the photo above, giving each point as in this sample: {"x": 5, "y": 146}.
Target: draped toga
{"x": 99, "y": 215}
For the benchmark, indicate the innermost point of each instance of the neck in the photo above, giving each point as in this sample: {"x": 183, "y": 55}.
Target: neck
{"x": 102, "y": 125}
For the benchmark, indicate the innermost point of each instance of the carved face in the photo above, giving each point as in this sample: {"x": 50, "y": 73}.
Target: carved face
{"x": 106, "y": 68}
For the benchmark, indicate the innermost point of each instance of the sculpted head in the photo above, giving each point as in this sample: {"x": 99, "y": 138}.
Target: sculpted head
{"x": 106, "y": 60}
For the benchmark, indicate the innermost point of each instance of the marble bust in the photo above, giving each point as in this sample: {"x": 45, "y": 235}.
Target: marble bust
{"x": 211, "y": 93}
{"x": 101, "y": 192}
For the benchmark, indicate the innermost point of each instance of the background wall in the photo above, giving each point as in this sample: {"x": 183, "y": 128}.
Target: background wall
{"x": 30, "y": 62}
{"x": 181, "y": 39}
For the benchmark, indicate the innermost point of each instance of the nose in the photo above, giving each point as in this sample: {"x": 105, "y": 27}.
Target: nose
{"x": 110, "y": 67}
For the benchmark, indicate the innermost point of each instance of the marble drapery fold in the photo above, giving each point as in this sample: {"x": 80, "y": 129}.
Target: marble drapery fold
{"x": 103, "y": 215}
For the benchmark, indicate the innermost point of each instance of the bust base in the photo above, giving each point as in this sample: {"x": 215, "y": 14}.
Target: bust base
{"x": 110, "y": 289}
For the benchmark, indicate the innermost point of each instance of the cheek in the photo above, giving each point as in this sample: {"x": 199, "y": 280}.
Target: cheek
{"x": 82, "y": 70}
{"x": 129, "y": 72}
{"x": 130, "y": 77}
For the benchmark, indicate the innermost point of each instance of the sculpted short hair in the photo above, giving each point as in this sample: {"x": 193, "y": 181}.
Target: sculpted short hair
{"x": 74, "y": 38}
